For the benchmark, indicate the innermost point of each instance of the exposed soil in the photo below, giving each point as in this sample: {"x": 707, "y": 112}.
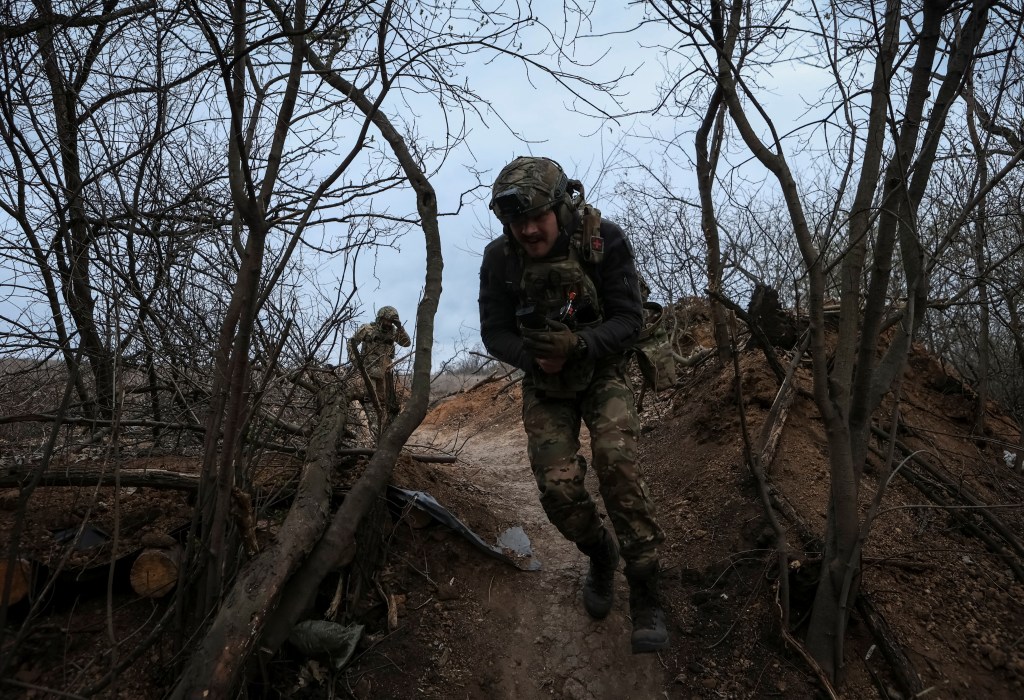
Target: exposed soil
{"x": 493, "y": 631}
{"x": 472, "y": 626}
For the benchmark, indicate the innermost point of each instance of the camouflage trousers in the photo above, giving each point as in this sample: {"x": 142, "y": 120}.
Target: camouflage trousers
{"x": 384, "y": 391}
{"x": 553, "y": 432}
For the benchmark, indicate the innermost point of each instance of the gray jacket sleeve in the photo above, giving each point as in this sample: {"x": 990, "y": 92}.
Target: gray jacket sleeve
{"x": 618, "y": 286}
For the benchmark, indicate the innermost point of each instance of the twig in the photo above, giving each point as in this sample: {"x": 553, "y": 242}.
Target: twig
{"x": 42, "y": 689}
{"x": 757, "y": 471}
{"x": 808, "y": 659}
{"x": 963, "y": 494}
{"x": 508, "y": 386}
{"x": 736, "y": 620}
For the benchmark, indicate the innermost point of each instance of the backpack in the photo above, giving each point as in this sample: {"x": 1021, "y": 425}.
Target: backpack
{"x": 653, "y": 349}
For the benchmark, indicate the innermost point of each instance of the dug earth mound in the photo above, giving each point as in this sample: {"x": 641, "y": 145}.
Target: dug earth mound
{"x": 450, "y": 616}
{"x": 472, "y": 626}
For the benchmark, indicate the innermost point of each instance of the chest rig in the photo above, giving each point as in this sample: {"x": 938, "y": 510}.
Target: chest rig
{"x": 562, "y": 288}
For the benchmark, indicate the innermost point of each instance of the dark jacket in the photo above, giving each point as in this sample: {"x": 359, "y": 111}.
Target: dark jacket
{"x": 617, "y": 285}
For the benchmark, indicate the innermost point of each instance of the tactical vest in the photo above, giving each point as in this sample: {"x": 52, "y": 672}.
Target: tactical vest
{"x": 378, "y": 350}
{"x": 547, "y": 285}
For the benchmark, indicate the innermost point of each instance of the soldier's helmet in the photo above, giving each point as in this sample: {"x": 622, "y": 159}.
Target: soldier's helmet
{"x": 529, "y": 186}
{"x": 387, "y": 313}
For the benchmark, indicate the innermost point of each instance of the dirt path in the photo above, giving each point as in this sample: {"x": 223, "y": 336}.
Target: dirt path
{"x": 542, "y": 642}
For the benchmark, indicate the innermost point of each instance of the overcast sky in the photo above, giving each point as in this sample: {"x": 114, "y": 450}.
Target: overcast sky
{"x": 537, "y": 117}
{"x": 540, "y": 112}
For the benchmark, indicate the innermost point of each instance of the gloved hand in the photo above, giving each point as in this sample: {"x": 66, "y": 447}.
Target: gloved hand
{"x": 555, "y": 341}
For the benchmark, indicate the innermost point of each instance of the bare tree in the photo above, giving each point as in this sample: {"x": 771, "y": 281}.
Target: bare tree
{"x": 889, "y": 146}
{"x": 355, "y": 64}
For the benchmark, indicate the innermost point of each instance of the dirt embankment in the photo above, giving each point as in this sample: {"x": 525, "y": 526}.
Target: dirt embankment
{"x": 467, "y": 625}
{"x": 492, "y": 631}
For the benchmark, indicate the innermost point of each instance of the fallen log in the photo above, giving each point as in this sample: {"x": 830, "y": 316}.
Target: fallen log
{"x": 155, "y": 571}
{"x": 892, "y": 650}
{"x": 771, "y": 432}
{"x": 369, "y": 452}
{"x": 218, "y": 660}
{"x": 160, "y": 478}
{"x": 945, "y": 492}
{"x": 150, "y": 478}
{"x": 21, "y": 580}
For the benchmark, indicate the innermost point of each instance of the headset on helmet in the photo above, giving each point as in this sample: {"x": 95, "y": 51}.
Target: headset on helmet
{"x": 529, "y": 186}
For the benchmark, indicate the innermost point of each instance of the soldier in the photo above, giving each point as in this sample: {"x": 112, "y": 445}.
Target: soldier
{"x": 560, "y": 299}
{"x": 378, "y": 353}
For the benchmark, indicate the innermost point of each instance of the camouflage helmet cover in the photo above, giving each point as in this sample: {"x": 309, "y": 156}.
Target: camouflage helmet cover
{"x": 387, "y": 313}
{"x": 527, "y": 186}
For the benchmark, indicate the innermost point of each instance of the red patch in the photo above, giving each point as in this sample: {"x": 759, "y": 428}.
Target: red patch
{"x": 596, "y": 243}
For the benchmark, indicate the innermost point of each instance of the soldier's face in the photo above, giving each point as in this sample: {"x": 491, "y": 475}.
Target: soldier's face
{"x": 536, "y": 234}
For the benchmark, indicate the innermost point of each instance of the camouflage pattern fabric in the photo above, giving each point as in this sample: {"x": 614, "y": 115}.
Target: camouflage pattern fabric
{"x": 528, "y": 186}
{"x": 546, "y": 285}
{"x": 377, "y": 343}
{"x": 553, "y": 429}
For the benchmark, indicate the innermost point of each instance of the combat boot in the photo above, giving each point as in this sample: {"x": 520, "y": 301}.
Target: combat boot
{"x": 649, "y": 633}
{"x": 599, "y": 588}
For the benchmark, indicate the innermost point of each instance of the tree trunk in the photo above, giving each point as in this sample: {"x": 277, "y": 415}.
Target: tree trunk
{"x": 713, "y": 129}
{"x": 337, "y": 546}
{"x": 229, "y": 404}
{"x": 214, "y": 669}
{"x": 75, "y": 241}
{"x": 980, "y": 265}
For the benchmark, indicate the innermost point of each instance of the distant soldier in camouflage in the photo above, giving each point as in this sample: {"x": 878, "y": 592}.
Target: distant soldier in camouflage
{"x": 373, "y": 345}
{"x": 560, "y": 299}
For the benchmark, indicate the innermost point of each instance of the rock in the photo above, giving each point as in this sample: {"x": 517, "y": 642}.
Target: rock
{"x": 572, "y": 689}
{"x": 998, "y": 658}
{"x": 1016, "y": 667}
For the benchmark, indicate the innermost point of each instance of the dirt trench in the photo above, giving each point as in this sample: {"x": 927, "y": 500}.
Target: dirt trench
{"x": 507, "y": 633}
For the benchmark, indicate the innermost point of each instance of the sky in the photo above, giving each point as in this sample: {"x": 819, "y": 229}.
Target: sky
{"x": 540, "y": 113}
{"x": 536, "y": 118}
